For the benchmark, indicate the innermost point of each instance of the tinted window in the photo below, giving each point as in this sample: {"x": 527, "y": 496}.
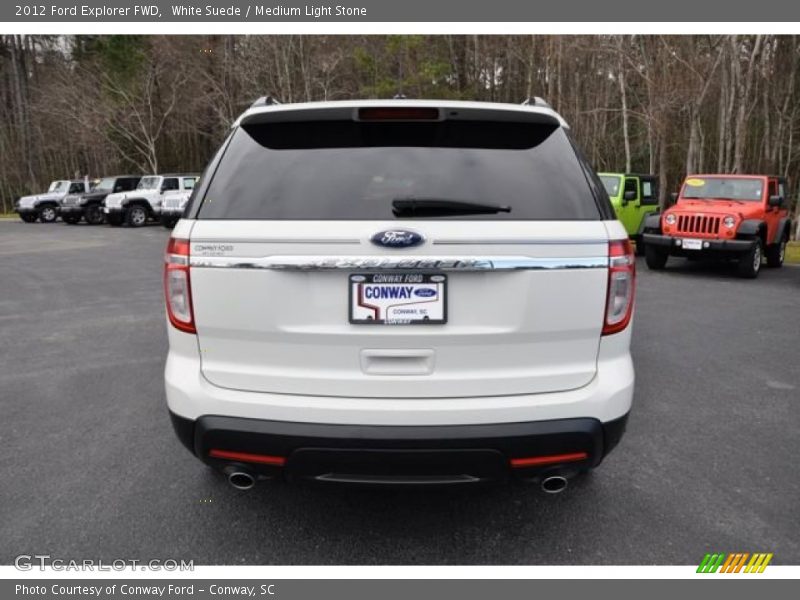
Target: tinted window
{"x": 76, "y": 188}
{"x": 126, "y": 185}
{"x": 354, "y": 170}
{"x": 171, "y": 183}
{"x": 630, "y": 186}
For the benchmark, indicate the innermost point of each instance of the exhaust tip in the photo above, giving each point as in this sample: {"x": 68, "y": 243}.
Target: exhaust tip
{"x": 554, "y": 484}
{"x": 241, "y": 480}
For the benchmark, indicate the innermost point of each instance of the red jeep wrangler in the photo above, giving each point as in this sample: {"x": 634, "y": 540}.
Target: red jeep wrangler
{"x": 742, "y": 217}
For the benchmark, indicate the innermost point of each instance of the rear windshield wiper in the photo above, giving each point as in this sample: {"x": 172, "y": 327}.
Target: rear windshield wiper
{"x": 433, "y": 207}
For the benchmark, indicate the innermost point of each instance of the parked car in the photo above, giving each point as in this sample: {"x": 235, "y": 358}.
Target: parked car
{"x": 399, "y": 292}
{"x": 144, "y": 203}
{"x": 633, "y": 196}
{"x": 45, "y": 207}
{"x": 89, "y": 206}
{"x": 739, "y": 217}
{"x": 172, "y": 207}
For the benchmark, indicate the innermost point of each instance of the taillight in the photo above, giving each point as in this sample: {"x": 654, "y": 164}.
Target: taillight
{"x": 177, "y": 287}
{"x": 621, "y": 283}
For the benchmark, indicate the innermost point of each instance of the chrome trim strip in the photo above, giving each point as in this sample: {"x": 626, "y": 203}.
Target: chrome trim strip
{"x": 515, "y": 242}
{"x": 437, "y": 263}
{"x": 279, "y": 241}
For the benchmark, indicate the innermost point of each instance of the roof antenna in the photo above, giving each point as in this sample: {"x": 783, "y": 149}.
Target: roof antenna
{"x": 536, "y": 101}
{"x": 265, "y": 101}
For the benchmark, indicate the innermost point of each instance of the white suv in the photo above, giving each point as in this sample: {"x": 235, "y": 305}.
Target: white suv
{"x": 144, "y": 203}
{"x": 399, "y": 292}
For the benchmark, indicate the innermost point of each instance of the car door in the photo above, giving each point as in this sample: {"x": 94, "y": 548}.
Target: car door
{"x": 629, "y": 200}
{"x": 772, "y": 214}
{"x": 648, "y": 198}
{"x": 167, "y": 185}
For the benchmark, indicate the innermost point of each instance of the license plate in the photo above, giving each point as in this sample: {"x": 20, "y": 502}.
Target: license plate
{"x": 693, "y": 244}
{"x": 398, "y": 299}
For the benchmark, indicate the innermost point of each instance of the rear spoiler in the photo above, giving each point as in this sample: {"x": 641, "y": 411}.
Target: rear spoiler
{"x": 262, "y": 112}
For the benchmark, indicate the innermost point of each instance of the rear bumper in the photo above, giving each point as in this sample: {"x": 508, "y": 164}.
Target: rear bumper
{"x": 369, "y": 454}
{"x": 675, "y": 245}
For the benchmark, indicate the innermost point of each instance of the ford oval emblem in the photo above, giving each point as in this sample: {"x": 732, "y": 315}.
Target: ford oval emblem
{"x": 397, "y": 238}
{"x": 425, "y": 292}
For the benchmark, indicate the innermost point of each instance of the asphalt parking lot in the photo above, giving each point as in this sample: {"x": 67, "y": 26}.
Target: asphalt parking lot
{"x": 92, "y": 469}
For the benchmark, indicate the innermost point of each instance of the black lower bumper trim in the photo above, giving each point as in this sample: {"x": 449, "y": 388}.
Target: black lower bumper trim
{"x": 372, "y": 454}
{"x": 715, "y": 246}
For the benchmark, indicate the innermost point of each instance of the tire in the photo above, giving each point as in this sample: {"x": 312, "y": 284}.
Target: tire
{"x": 639, "y": 241}
{"x": 655, "y": 257}
{"x": 28, "y": 217}
{"x": 168, "y": 222}
{"x": 776, "y": 253}
{"x": 750, "y": 263}
{"x": 136, "y": 215}
{"x": 94, "y": 215}
{"x": 48, "y": 214}
{"x": 72, "y": 220}
{"x": 115, "y": 220}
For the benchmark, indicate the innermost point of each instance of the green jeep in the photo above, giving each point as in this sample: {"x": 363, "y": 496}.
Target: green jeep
{"x": 634, "y": 196}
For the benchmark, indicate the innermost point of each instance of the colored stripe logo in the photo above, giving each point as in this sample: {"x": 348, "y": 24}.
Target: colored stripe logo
{"x": 736, "y": 562}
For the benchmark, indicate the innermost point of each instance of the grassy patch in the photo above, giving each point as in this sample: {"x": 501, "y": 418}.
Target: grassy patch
{"x": 793, "y": 253}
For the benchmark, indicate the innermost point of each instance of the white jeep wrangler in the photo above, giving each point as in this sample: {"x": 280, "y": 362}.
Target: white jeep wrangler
{"x": 45, "y": 207}
{"x": 172, "y": 207}
{"x": 144, "y": 203}
{"x": 399, "y": 292}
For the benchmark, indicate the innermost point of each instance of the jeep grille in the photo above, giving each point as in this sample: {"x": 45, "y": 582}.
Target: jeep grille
{"x": 698, "y": 224}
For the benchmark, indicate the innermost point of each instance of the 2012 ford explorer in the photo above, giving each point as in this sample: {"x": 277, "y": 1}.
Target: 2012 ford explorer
{"x": 399, "y": 292}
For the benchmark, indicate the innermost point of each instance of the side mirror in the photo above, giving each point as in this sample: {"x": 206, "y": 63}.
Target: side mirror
{"x": 775, "y": 201}
{"x": 674, "y": 197}
{"x": 629, "y": 195}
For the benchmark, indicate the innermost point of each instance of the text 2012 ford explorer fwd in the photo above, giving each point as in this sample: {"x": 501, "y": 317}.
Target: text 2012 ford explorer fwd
{"x": 741, "y": 217}
{"x": 399, "y": 292}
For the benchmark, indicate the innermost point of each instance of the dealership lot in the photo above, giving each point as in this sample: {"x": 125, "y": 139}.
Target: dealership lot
{"x": 92, "y": 469}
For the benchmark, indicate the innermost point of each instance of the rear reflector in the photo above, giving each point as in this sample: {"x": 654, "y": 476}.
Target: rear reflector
{"x": 262, "y": 459}
{"x": 400, "y": 113}
{"x": 552, "y": 459}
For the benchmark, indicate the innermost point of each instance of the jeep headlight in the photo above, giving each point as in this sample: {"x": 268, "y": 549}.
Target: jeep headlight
{"x": 729, "y": 222}
{"x": 670, "y": 219}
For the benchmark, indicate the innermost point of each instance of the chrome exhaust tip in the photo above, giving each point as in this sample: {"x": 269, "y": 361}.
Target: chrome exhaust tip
{"x": 554, "y": 484}
{"x": 241, "y": 480}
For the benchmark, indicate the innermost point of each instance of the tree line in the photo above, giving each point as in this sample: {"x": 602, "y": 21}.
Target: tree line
{"x": 76, "y": 105}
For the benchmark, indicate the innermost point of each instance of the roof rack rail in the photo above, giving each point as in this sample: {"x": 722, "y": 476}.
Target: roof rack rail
{"x": 536, "y": 101}
{"x": 265, "y": 101}
{"x": 399, "y": 96}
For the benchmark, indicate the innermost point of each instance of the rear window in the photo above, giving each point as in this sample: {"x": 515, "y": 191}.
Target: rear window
{"x": 349, "y": 170}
